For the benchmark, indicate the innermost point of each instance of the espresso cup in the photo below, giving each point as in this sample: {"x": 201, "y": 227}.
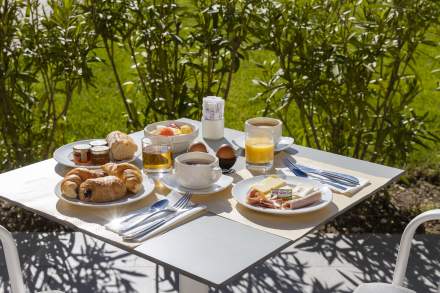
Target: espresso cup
{"x": 266, "y": 122}
{"x": 197, "y": 170}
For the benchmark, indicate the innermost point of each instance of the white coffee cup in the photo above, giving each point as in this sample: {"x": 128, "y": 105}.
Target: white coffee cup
{"x": 197, "y": 170}
{"x": 275, "y": 124}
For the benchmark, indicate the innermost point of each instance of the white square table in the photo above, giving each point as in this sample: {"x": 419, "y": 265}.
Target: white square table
{"x": 210, "y": 250}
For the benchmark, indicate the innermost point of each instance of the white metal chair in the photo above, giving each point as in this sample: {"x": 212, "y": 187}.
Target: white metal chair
{"x": 402, "y": 258}
{"x": 13, "y": 262}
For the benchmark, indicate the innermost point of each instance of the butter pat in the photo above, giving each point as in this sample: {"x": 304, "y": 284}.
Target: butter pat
{"x": 269, "y": 183}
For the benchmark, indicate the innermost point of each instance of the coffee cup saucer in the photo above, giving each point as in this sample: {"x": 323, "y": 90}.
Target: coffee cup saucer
{"x": 284, "y": 143}
{"x": 170, "y": 181}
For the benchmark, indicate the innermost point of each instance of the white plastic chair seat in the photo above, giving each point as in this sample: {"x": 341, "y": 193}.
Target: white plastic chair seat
{"x": 381, "y": 287}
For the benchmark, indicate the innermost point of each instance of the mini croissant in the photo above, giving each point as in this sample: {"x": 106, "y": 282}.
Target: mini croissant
{"x": 73, "y": 179}
{"x": 103, "y": 189}
{"x": 128, "y": 173}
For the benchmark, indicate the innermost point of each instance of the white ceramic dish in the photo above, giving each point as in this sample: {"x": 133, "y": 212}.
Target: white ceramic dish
{"x": 64, "y": 155}
{"x": 240, "y": 190}
{"x": 147, "y": 189}
{"x": 284, "y": 143}
{"x": 169, "y": 180}
{"x": 179, "y": 143}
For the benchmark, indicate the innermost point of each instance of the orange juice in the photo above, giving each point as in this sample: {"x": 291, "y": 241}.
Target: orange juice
{"x": 259, "y": 150}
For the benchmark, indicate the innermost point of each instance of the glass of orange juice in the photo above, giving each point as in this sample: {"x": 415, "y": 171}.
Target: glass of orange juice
{"x": 259, "y": 149}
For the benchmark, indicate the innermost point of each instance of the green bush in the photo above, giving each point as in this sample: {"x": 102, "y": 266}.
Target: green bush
{"x": 44, "y": 59}
{"x": 344, "y": 70}
{"x": 179, "y": 54}
{"x": 347, "y": 67}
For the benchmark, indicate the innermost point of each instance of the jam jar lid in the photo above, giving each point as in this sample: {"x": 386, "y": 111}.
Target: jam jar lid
{"x": 102, "y": 149}
{"x": 98, "y": 142}
{"x": 81, "y": 147}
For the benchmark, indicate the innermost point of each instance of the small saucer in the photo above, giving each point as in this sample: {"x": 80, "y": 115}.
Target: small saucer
{"x": 284, "y": 143}
{"x": 169, "y": 180}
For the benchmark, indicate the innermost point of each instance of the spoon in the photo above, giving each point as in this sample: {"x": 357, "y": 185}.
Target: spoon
{"x": 158, "y": 205}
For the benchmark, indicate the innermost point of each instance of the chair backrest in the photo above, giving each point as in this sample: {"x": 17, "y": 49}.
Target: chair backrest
{"x": 405, "y": 244}
{"x": 12, "y": 261}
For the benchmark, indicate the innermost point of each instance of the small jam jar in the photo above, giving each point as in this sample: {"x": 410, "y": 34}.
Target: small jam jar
{"x": 98, "y": 142}
{"x": 81, "y": 153}
{"x": 100, "y": 155}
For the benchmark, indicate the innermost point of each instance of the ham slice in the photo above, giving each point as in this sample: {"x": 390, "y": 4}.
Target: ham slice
{"x": 307, "y": 200}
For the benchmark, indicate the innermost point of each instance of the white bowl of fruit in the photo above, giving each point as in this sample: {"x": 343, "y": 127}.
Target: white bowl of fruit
{"x": 179, "y": 134}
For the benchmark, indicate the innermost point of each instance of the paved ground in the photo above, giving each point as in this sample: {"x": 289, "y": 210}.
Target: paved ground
{"x": 74, "y": 262}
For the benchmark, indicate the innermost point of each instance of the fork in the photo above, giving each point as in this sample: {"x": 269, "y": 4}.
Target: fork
{"x": 300, "y": 173}
{"x": 327, "y": 175}
{"x": 182, "y": 202}
{"x": 142, "y": 230}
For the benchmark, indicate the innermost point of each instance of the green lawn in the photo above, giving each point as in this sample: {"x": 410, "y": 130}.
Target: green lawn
{"x": 99, "y": 110}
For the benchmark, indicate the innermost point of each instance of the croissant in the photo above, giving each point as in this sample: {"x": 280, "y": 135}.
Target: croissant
{"x": 73, "y": 179}
{"x": 122, "y": 146}
{"x": 128, "y": 173}
{"x": 103, "y": 189}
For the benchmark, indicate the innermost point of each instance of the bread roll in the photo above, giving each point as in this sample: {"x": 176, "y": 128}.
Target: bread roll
{"x": 128, "y": 173}
{"x": 103, "y": 189}
{"x": 122, "y": 146}
{"x": 74, "y": 178}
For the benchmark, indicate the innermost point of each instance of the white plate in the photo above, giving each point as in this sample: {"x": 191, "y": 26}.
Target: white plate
{"x": 147, "y": 189}
{"x": 240, "y": 190}
{"x": 169, "y": 180}
{"x": 64, "y": 155}
{"x": 284, "y": 143}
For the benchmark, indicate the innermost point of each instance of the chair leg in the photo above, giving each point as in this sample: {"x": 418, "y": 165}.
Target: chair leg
{"x": 12, "y": 261}
{"x": 405, "y": 244}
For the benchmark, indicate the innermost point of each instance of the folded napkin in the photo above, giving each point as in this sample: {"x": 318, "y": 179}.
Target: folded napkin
{"x": 349, "y": 191}
{"x": 183, "y": 216}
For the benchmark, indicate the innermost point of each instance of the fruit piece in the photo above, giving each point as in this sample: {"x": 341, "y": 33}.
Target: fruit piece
{"x": 176, "y": 131}
{"x": 173, "y": 125}
{"x": 166, "y": 131}
{"x": 186, "y": 129}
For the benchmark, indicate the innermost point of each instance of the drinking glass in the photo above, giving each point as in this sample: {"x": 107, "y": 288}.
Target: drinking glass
{"x": 259, "y": 148}
{"x": 156, "y": 156}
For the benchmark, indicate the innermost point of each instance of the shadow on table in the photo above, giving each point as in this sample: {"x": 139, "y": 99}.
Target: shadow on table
{"x": 73, "y": 262}
{"x": 338, "y": 263}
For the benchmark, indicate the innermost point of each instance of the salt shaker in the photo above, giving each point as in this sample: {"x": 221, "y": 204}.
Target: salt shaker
{"x": 213, "y": 122}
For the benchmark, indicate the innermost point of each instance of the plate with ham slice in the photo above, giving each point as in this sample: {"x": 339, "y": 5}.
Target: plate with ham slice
{"x": 282, "y": 195}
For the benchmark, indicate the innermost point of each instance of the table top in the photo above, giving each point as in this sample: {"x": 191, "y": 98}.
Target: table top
{"x": 213, "y": 248}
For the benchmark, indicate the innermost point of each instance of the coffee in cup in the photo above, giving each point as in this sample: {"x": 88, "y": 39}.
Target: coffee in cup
{"x": 275, "y": 124}
{"x": 197, "y": 170}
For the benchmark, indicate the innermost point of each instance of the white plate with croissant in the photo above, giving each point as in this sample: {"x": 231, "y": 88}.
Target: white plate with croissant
{"x": 111, "y": 185}
{"x": 282, "y": 195}
{"x": 122, "y": 149}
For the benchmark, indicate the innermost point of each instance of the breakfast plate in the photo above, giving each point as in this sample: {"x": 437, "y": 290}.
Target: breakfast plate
{"x": 170, "y": 182}
{"x": 284, "y": 143}
{"x": 241, "y": 189}
{"x": 64, "y": 155}
{"x": 147, "y": 188}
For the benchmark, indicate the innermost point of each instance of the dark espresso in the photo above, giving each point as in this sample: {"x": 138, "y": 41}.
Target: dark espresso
{"x": 197, "y": 162}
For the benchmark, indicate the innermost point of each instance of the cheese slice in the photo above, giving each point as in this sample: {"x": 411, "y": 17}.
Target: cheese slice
{"x": 269, "y": 183}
